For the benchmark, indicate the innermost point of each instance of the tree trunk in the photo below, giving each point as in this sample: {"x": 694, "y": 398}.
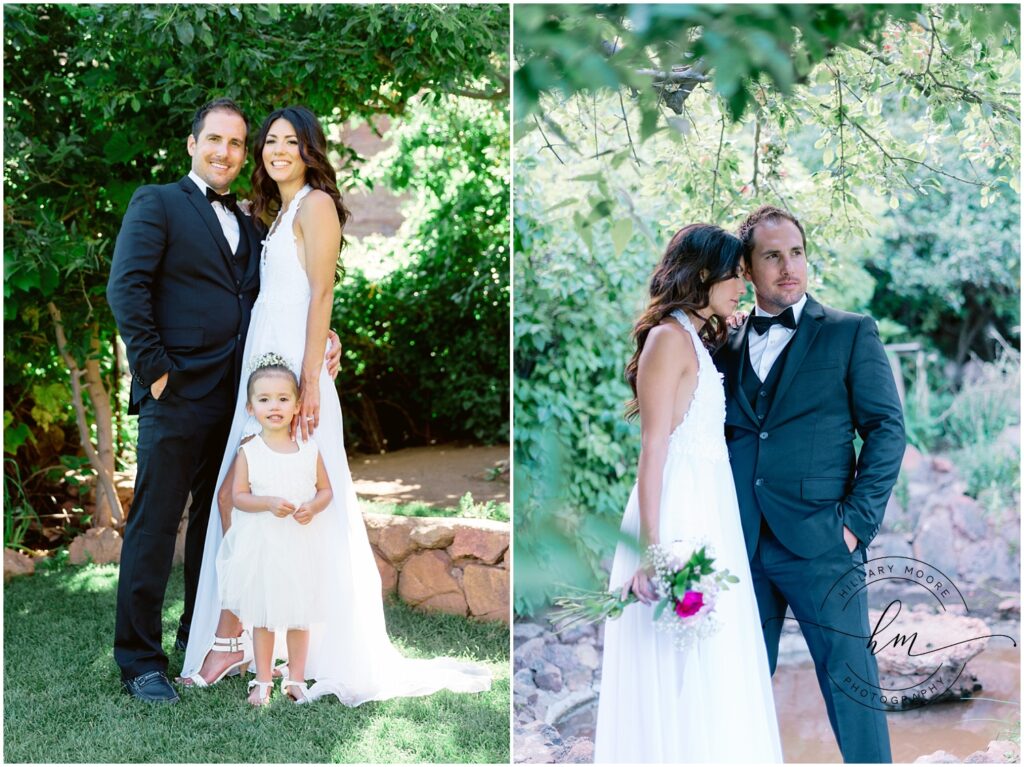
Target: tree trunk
{"x": 104, "y": 428}
{"x": 371, "y": 424}
{"x": 108, "y": 507}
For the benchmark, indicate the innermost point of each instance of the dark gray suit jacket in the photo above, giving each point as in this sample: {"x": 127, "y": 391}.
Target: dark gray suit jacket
{"x": 798, "y": 469}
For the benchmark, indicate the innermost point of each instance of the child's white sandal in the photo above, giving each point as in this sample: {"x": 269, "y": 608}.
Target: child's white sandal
{"x": 265, "y": 688}
{"x": 301, "y": 686}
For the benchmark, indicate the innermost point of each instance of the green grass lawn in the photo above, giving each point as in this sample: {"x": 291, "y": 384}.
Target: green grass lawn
{"x": 63, "y": 703}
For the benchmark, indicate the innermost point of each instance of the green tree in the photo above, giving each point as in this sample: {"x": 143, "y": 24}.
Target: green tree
{"x": 630, "y": 123}
{"x": 430, "y": 354}
{"x": 98, "y": 100}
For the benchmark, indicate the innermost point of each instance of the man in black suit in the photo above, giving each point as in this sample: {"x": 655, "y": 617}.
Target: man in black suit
{"x": 184, "y": 277}
{"x": 801, "y": 380}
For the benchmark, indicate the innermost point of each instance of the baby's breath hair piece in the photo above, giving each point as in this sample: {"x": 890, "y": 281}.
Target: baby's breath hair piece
{"x": 270, "y": 359}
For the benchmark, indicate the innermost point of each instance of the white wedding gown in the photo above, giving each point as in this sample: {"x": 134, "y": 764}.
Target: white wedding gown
{"x": 712, "y": 702}
{"x": 350, "y": 654}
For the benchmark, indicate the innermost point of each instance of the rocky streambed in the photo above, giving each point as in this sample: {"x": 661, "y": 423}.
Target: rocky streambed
{"x": 557, "y": 681}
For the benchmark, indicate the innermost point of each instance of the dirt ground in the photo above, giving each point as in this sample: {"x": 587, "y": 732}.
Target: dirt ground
{"x": 438, "y": 475}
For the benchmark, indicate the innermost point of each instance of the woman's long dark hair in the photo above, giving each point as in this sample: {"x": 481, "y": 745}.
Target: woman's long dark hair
{"x": 320, "y": 174}
{"x": 677, "y": 284}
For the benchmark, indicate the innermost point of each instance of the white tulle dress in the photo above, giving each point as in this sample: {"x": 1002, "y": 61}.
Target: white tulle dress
{"x": 712, "y": 702}
{"x": 266, "y": 564}
{"x": 350, "y": 654}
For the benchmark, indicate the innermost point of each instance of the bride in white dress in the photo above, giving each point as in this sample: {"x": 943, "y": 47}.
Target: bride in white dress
{"x": 350, "y": 655}
{"x": 713, "y": 701}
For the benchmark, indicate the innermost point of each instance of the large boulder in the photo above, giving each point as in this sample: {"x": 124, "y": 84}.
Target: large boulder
{"x": 99, "y": 545}
{"x": 432, "y": 533}
{"x": 528, "y": 653}
{"x": 394, "y": 540}
{"x": 486, "y": 590}
{"x": 481, "y": 543}
{"x": 940, "y": 654}
{"x": 523, "y": 630}
{"x": 998, "y": 752}
{"x": 537, "y": 743}
{"x": 16, "y": 563}
{"x": 933, "y": 538}
{"x": 937, "y": 757}
{"x": 388, "y": 575}
{"x": 540, "y": 743}
{"x": 426, "y": 581}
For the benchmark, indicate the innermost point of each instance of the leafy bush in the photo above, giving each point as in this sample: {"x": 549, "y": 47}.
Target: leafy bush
{"x": 426, "y": 346}
{"x": 987, "y": 404}
{"x": 992, "y": 474}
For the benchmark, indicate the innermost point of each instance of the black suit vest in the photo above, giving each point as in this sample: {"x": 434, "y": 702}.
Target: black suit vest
{"x": 759, "y": 393}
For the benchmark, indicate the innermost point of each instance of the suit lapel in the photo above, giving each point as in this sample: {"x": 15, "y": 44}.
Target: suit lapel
{"x": 734, "y": 369}
{"x": 252, "y": 269}
{"x": 806, "y": 332}
{"x": 205, "y": 211}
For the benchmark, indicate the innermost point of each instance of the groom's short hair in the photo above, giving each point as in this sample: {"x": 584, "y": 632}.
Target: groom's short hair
{"x": 222, "y": 105}
{"x": 762, "y": 214}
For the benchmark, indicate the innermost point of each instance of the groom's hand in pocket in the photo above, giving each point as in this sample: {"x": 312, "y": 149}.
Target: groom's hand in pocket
{"x": 850, "y": 538}
{"x": 158, "y": 386}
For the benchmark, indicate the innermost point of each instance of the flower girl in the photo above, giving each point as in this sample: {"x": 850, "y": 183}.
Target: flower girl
{"x": 270, "y": 560}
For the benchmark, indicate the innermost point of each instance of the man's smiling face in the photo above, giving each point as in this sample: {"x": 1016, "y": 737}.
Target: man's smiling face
{"x": 219, "y": 152}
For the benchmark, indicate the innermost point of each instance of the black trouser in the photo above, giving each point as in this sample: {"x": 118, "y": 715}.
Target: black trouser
{"x": 181, "y": 446}
{"x": 834, "y": 623}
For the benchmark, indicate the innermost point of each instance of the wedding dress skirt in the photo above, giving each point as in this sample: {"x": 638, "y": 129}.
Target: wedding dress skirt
{"x": 713, "y": 701}
{"x": 350, "y": 654}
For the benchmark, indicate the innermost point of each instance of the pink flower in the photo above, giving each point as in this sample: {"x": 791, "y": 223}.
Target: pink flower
{"x": 690, "y": 604}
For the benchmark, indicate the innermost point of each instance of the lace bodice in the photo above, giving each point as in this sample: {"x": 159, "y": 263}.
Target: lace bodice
{"x": 282, "y": 278}
{"x": 701, "y": 434}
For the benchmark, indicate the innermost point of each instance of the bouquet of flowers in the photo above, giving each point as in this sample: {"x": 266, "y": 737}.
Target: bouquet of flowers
{"x": 685, "y": 580}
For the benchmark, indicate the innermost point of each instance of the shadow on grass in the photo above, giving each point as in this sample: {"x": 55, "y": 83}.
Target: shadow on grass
{"x": 62, "y": 699}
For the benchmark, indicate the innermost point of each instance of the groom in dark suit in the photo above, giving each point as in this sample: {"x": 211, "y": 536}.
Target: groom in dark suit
{"x": 801, "y": 380}
{"x": 184, "y": 277}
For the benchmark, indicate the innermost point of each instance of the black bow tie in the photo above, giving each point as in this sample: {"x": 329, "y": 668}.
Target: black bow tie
{"x": 786, "y": 319}
{"x": 229, "y": 200}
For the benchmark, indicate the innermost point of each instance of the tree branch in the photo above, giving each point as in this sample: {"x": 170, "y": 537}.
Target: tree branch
{"x": 547, "y": 142}
{"x": 894, "y": 159}
{"x": 629, "y": 135}
{"x": 718, "y": 159}
{"x": 482, "y": 95}
{"x": 757, "y": 149}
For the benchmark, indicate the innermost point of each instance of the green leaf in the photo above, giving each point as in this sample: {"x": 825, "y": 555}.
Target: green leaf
{"x": 622, "y": 231}
{"x": 186, "y": 34}
{"x": 661, "y": 607}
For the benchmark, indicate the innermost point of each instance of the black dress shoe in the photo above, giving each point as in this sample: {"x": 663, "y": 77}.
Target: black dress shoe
{"x": 151, "y": 687}
{"x": 180, "y": 644}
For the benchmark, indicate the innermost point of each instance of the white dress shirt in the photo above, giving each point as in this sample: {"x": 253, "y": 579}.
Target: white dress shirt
{"x": 765, "y": 348}
{"x": 228, "y": 222}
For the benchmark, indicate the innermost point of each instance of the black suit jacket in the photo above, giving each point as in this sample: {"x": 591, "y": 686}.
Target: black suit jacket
{"x": 798, "y": 469}
{"x": 175, "y": 297}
